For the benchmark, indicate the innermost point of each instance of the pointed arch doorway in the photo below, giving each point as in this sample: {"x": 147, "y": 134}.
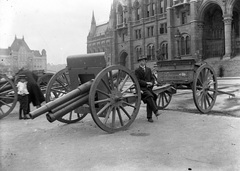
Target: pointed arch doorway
{"x": 236, "y": 28}
{"x": 123, "y": 59}
{"x": 213, "y": 32}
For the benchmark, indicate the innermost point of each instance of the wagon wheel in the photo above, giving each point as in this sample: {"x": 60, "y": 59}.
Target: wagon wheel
{"x": 204, "y": 88}
{"x": 8, "y": 96}
{"x": 163, "y": 99}
{"x": 58, "y": 86}
{"x": 43, "y": 81}
{"x": 114, "y": 99}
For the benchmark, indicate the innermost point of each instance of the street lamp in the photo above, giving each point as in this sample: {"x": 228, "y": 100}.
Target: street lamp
{"x": 178, "y": 37}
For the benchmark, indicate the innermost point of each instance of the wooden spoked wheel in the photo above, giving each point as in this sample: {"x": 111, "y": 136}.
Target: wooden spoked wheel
{"x": 58, "y": 86}
{"x": 163, "y": 99}
{"x": 205, "y": 88}
{"x": 8, "y": 96}
{"x": 43, "y": 81}
{"x": 114, "y": 98}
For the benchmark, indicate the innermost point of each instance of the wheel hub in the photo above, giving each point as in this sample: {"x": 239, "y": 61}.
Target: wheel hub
{"x": 205, "y": 86}
{"x": 116, "y": 97}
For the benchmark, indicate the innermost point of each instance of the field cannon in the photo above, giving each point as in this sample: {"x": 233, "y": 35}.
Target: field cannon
{"x": 8, "y": 90}
{"x": 111, "y": 94}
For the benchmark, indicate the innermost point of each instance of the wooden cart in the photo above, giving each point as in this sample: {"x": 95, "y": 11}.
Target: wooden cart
{"x": 188, "y": 74}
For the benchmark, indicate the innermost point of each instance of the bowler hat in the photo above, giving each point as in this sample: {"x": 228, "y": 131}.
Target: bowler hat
{"x": 142, "y": 58}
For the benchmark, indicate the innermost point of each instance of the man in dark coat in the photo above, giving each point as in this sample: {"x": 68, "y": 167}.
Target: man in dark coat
{"x": 36, "y": 96}
{"x": 146, "y": 82}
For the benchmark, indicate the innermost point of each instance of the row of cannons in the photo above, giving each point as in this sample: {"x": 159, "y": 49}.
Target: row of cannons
{"x": 111, "y": 94}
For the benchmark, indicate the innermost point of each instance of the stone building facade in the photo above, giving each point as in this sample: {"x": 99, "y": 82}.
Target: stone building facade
{"x": 19, "y": 55}
{"x": 206, "y": 30}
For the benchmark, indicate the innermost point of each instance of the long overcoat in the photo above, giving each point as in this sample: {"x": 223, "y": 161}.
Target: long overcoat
{"x": 36, "y": 97}
{"x": 144, "y": 77}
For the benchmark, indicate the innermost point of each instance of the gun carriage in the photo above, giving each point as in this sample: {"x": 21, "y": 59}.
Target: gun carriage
{"x": 8, "y": 90}
{"x": 112, "y": 94}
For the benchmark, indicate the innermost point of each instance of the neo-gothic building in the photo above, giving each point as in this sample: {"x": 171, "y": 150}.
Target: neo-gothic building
{"x": 168, "y": 29}
{"x": 19, "y": 55}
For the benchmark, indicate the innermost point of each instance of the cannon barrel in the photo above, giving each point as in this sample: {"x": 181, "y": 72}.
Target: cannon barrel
{"x": 84, "y": 88}
{"x": 65, "y": 104}
{"x": 58, "y": 114}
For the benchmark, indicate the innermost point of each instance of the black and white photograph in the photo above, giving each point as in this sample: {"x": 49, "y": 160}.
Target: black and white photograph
{"x": 120, "y": 85}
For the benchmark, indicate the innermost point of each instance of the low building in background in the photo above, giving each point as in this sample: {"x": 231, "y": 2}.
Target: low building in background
{"x": 19, "y": 55}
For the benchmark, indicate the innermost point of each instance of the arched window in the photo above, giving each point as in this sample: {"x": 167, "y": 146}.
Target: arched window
{"x": 151, "y": 52}
{"x": 120, "y": 16}
{"x": 138, "y": 14}
{"x": 185, "y": 44}
{"x": 161, "y": 6}
{"x": 148, "y": 10}
{"x": 164, "y": 51}
{"x": 138, "y": 50}
{"x": 153, "y": 9}
{"x": 138, "y": 10}
{"x": 188, "y": 44}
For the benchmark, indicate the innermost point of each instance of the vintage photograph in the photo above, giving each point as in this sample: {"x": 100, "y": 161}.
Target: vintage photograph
{"x": 113, "y": 85}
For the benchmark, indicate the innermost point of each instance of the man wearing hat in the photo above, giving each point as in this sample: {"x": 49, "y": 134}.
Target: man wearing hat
{"x": 146, "y": 82}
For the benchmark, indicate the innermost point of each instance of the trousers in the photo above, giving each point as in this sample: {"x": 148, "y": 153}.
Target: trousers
{"x": 151, "y": 106}
{"x": 24, "y": 105}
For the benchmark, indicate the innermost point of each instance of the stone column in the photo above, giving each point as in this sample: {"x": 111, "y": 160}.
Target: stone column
{"x": 199, "y": 51}
{"x": 228, "y": 30}
{"x": 130, "y": 37}
{"x": 171, "y": 31}
{"x": 194, "y": 29}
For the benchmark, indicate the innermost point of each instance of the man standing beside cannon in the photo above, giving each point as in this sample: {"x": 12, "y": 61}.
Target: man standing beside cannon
{"x": 146, "y": 82}
{"x": 36, "y": 96}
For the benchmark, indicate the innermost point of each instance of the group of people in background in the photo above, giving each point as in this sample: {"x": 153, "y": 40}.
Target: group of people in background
{"x": 28, "y": 92}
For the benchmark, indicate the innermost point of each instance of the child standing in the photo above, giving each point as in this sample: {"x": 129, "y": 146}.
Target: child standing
{"x": 23, "y": 97}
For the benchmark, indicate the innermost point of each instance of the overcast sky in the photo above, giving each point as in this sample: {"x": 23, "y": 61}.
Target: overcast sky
{"x": 58, "y": 26}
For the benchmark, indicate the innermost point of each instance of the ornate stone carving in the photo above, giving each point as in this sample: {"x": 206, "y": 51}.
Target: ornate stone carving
{"x": 227, "y": 20}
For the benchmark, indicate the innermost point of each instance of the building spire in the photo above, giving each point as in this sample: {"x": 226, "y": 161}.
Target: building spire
{"x": 93, "y": 25}
{"x": 93, "y": 19}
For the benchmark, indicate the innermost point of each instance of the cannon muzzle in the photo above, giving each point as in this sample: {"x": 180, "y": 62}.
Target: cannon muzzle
{"x": 63, "y": 111}
{"x": 62, "y": 101}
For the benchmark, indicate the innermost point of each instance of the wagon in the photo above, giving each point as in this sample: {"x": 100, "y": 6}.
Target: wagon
{"x": 112, "y": 95}
{"x": 8, "y": 91}
{"x": 199, "y": 77}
